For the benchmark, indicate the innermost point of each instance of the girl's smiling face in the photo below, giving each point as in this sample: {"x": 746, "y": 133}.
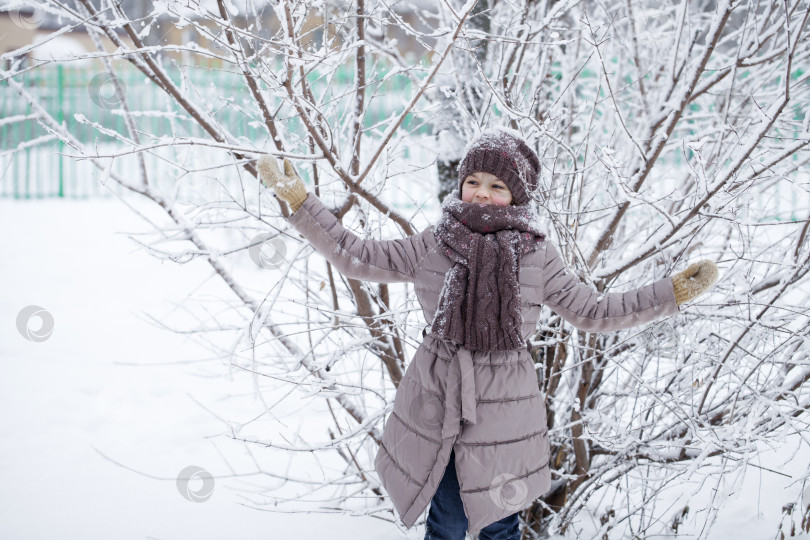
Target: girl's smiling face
{"x": 485, "y": 188}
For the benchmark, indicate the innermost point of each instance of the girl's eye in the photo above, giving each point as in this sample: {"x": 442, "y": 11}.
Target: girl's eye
{"x": 471, "y": 182}
{"x": 497, "y": 186}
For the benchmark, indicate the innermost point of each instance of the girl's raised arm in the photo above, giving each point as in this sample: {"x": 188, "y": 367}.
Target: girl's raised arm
{"x": 382, "y": 261}
{"x": 589, "y": 310}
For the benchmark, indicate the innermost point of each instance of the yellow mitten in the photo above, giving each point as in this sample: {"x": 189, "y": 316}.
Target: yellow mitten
{"x": 287, "y": 185}
{"x": 694, "y": 281}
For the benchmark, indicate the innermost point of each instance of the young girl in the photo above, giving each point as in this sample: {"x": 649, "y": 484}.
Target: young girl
{"x": 468, "y": 431}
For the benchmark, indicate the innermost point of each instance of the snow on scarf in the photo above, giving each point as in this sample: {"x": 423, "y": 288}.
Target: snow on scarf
{"x": 479, "y": 306}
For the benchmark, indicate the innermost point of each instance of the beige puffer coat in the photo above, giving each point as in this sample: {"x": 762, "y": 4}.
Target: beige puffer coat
{"x": 485, "y": 405}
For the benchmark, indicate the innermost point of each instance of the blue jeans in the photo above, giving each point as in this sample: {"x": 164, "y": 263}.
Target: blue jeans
{"x": 446, "y": 519}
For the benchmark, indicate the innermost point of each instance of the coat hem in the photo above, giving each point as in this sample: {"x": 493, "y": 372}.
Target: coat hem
{"x": 410, "y": 516}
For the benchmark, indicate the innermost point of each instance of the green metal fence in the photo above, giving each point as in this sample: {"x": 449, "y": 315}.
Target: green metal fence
{"x": 36, "y": 164}
{"x": 33, "y": 161}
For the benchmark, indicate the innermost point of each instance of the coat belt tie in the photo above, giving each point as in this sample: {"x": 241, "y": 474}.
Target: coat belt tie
{"x": 461, "y": 380}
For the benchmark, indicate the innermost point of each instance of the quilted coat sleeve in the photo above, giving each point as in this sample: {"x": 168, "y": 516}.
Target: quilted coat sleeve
{"x": 382, "y": 261}
{"x": 588, "y": 310}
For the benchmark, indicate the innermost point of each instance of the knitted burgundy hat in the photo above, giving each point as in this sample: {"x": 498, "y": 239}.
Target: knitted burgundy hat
{"x": 504, "y": 153}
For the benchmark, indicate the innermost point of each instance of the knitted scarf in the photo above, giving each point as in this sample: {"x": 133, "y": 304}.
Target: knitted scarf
{"x": 479, "y": 306}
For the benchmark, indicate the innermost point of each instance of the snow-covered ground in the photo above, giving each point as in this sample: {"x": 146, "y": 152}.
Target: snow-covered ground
{"x": 99, "y": 419}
